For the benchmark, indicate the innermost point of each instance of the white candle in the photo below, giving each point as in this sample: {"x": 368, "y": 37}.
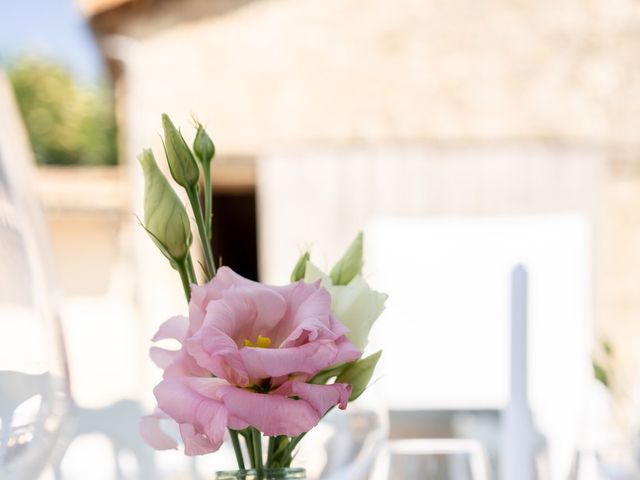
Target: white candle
{"x": 517, "y": 458}
{"x": 518, "y": 376}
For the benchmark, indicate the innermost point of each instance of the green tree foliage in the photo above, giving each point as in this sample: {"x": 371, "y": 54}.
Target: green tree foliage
{"x": 69, "y": 123}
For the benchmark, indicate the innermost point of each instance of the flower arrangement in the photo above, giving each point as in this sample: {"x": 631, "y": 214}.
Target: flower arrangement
{"x": 254, "y": 360}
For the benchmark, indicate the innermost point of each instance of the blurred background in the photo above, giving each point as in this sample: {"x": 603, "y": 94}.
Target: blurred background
{"x": 464, "y": 138}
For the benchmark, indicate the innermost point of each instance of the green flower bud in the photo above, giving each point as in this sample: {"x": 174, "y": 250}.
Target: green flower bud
{"x": 349, "y": 265}
{"x": 300, "y": 268}
{"x": 182, "y": 165}
{"x": 203, "y": 146}
{"x": 359, "y": 374}
{"x": 165, "y": 217}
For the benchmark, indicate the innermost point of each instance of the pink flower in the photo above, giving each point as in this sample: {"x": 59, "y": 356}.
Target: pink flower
{"x": 247, "y": 351}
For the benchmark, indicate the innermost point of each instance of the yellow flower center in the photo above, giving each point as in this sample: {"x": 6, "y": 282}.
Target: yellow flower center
{"x": 262, "y": 342}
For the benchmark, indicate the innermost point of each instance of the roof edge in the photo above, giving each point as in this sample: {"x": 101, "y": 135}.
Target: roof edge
{"x": 92, "y": 8}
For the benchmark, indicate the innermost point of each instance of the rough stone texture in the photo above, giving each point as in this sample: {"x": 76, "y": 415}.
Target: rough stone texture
{"x": 279, "y": 71}
{"x": 619, "y": 268}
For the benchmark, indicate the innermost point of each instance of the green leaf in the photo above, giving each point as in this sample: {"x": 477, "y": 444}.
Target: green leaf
{"x": 324, "y": 376}
{"x": 350, "y": 264}
{"x": 161, "y": 247}
{"x": 607, "y": 347}
{"x": 600, "y": 374}
{"x": 300, "y": 268}
{"x": 182, "y": 165}
{"x": 359, "y": 374}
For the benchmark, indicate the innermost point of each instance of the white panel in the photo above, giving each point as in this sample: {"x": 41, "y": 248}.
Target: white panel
{"x": 448, "y": 281}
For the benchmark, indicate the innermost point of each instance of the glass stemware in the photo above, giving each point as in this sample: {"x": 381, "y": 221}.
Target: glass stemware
{"x": 346, "y": 443}
{"x": 438, "y": 459}
{"x": 611, "y": 461}
{"x": 34, "y": 388}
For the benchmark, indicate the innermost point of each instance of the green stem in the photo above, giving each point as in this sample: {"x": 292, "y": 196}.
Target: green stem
{"x": 206, "y": 169}
{"x": 270, "y": 451}
{"x": 202, "y": 231}
{"x": 249, "y": 439}
{"x": 191, "y": 271}
{"x": 237, "y": 448}
{"x": 257, "y": 448}
{"x": 183, "y": 270}
{"x": 295, "y": 441}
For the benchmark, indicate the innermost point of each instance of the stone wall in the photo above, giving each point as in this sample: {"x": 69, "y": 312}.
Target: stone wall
{"x": 274, "y": 72}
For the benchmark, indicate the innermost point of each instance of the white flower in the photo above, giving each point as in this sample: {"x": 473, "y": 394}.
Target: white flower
{"x": 356, "y": 305}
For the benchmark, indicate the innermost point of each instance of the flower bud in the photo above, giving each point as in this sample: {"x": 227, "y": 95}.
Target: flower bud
{"x": 349, "y": 265}
{"x": 182, "y": 165}
{"x": 300, "y": 268}
{"x": 203, "y": 146}
{"x": 359, "y": 374}
{"x": 165, "y": 217}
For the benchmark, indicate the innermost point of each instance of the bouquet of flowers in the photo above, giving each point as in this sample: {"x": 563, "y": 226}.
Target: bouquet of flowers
{"x": 254, "y": 360}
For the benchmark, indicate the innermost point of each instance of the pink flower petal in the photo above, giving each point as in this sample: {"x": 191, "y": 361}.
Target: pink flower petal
{"x": 153, "y": 435}
{"x": 176, "y": 363}
{"x": 218, "y": 353}
{"x": 176, "y": 327}
{"x": 184, "y": 404}
{"x": 269, "y": 413}
{"x": 214, "y": 290}
{"x": 195, "y": 443}
{"x": 162, "y": 357}
{"x": 347, "y": 352}
{"x": 185, "y": 365}
{"x": 321, "y": 397}
{"x": 193, "y": 401}
{"x": 309, "y": 358}
{"x": 308, "y": 317}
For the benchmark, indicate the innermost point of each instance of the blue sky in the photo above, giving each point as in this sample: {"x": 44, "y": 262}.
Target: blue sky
{"x": 52, "y": 28}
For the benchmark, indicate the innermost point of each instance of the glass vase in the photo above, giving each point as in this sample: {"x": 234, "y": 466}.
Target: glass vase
{"x": 264, "y": 474}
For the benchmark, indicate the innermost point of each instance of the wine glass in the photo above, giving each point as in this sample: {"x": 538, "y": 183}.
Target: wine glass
{"x": 610, "y": 461}
{"x": 446, "y": 459}
{"x": 34, "y": 388}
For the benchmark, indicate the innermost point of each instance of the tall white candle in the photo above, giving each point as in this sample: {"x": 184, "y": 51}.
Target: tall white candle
{"x": 519, "y": 356}
{"x": 517, "y": 457}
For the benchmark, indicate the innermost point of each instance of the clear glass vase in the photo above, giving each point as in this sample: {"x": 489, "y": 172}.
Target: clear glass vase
{"x": 264, "y": 474}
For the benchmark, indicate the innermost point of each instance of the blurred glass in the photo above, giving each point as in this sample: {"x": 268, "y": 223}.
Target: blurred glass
{"x": 34, "y": 390}
{"x": 613, "y": 461}
{"x": 437, "y": 459}
{"x": 346, "y": 443}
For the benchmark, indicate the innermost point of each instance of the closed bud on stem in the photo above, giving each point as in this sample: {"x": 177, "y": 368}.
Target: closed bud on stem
{"x": 359, "y": 374}
{"x": 165, "y": 217}
{"x": 182, "y": 165}
{"x": 349, "y": 265}
{"x": 203, "y": 146}
{"x": 300, "y": 268}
